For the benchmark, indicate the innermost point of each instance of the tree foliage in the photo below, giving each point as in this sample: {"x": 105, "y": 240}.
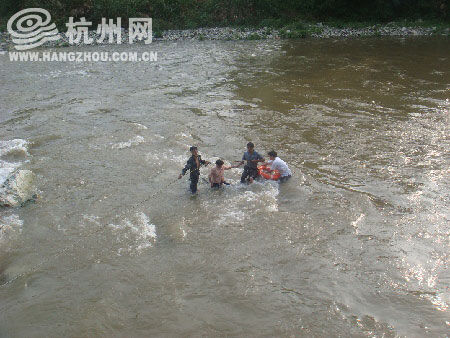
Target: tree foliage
{"x": 196, "y": 13}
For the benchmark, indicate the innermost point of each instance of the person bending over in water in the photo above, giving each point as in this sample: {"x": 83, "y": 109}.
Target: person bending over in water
{"x": 216, "y": 177}
{"x": 277, "y": 163}
{"x": 251, "y": 168}
{"x": 193, "y": 164}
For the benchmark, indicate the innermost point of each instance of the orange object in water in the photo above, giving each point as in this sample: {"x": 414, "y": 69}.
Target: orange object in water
{"x": 263, "y": 170}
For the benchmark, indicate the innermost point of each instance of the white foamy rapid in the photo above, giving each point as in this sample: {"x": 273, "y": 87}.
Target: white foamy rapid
{"x": 132, "y": 142}
{"x": 131, "y": 235}
{"x": 11, "y": 148}
{"x": 16, "y": 186}
{"x": 136, "y": 233}
{"x": 238, "y": 206}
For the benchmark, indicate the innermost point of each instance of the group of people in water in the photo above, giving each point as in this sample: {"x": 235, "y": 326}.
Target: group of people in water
{"x": 251, "y": 172}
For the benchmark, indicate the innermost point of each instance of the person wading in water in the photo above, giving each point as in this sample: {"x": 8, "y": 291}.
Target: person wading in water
{"x": 251, "y": 168}
{"x": 193, "y": 164}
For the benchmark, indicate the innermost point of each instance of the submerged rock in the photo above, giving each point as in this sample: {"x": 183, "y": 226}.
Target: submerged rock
{"x": 17, "y": 189}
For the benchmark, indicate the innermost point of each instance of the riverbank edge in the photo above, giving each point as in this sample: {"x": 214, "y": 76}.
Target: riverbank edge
{"x": 295, "y": 30}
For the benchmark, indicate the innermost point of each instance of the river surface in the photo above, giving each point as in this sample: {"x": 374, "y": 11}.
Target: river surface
{"x": 355, "y": 244}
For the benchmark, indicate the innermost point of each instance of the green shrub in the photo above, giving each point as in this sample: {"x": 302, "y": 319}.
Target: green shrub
{"x": 254, "y": 36}
{"x": 296, "y": 34}
{"x": 260, "y": 13}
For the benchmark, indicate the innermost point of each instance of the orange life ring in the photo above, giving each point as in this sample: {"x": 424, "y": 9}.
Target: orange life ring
{"x": 263, "y": 170}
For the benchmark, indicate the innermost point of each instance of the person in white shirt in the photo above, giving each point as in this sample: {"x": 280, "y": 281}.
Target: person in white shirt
{"x": 277, "y": 163}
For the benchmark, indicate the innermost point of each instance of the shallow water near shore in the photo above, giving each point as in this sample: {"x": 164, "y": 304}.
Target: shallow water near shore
{"x": 355, "y": 244}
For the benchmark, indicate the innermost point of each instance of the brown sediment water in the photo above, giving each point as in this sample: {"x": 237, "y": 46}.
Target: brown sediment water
{"x": 355, "y": 244}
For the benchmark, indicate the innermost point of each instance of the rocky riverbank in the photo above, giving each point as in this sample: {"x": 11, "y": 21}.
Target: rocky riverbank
{"x": 317, "y": 30}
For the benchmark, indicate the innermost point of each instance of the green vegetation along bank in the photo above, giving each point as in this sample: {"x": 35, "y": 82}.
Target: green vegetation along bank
{"x": 190, "y": 14}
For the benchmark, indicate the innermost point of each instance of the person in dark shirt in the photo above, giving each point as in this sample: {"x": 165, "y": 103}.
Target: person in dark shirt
{"x": 251, "y": 168}
{"x": 193, "y": 164}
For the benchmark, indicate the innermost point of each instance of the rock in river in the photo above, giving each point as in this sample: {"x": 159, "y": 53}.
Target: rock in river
{"x": 17, "y": 189}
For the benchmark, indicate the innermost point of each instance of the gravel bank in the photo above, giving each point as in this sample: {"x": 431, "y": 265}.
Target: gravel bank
{"x": 318, "y": 30}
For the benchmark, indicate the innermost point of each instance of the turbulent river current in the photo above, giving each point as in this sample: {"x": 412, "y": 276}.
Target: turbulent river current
{"x": 112, "y": 244}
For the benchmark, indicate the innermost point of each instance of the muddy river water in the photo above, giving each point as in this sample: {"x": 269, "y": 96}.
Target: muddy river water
{"x": 355, "y": 244}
